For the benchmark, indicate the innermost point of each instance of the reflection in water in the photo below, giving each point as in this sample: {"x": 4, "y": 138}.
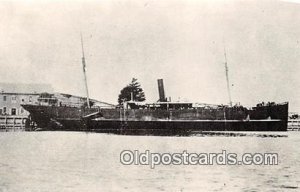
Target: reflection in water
{"x": 79, "y": 161}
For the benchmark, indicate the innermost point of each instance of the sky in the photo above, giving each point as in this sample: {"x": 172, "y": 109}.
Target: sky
{"x": 181, "y": 41}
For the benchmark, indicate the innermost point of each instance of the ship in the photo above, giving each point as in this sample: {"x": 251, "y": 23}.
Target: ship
{"x": 159, "y": 118}
{"x": 163, "y": 117}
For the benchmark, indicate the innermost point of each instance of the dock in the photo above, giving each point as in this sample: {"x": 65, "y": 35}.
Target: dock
{"x": 294, "y": 125}
{"x": 12, "y": 122}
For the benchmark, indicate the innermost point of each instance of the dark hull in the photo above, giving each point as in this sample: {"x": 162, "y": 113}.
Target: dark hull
{"x": 160, "y": 122}
{"x": 170, "y": 127}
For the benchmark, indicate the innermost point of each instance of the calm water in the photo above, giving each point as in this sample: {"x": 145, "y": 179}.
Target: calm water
{"x": 74, "y": 161}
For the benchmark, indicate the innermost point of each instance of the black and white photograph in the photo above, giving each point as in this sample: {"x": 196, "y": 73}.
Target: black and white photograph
{"x": 149, "y": 95}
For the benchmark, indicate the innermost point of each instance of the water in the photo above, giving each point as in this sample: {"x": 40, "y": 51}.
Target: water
{"x": 77, "y": 161}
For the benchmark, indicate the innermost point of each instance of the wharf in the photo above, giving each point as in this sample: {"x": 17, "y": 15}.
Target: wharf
{"x": 294, "y": 125}
{"x": 12, "y": 122}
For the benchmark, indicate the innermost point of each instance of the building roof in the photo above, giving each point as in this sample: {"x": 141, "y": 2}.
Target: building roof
{"x": 96, "y": 102}
{"x": 25, "y": 88}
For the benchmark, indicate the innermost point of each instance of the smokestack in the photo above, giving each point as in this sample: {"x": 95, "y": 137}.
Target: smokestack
{"x": 161, "y": 90}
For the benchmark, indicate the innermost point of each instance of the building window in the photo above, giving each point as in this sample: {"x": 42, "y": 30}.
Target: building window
{"x": 13, "y": 111}
{"x": 1, "y": 112}
{"x": 30, "y": 98}
{"x": 4, "y": 110}
{"x": 21, "y": 110}
{"x": 13, "y": 99}
{"x": 4, "y": 97}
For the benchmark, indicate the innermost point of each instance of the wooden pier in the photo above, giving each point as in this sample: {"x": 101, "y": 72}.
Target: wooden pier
{"x": 12, "y": 122}
{"x": 294, "y": 125}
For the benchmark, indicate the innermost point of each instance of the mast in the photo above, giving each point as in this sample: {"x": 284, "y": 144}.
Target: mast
{"x": 227, "y": 78}
{"x": 84, "y": 74}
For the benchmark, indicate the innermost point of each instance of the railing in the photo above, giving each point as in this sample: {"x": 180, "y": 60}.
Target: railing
{"x": 294, "y": 124}
{"x": 12, "y": 122}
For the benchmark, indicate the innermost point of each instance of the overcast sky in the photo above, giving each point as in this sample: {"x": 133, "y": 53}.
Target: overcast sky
{"x": 179, "y": 41}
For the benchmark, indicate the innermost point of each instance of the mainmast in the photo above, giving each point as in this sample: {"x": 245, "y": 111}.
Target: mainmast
{"x": 84, "y": 74}
{"x": 227, "y": 78}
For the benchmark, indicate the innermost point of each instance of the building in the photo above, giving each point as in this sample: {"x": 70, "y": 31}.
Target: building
{"x": 12, "y": 95}
{"x": 61, "y": 99}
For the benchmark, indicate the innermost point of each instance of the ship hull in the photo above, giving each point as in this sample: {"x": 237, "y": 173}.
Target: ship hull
{"x": 171, "y": 127}
{"x": 160, "y": 122}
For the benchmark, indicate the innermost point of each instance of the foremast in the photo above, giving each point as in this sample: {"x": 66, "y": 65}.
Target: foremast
{"x": 84, "y": 74}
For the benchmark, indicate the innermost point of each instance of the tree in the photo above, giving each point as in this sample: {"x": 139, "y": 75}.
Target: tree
{"x": 134, "y": 89}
